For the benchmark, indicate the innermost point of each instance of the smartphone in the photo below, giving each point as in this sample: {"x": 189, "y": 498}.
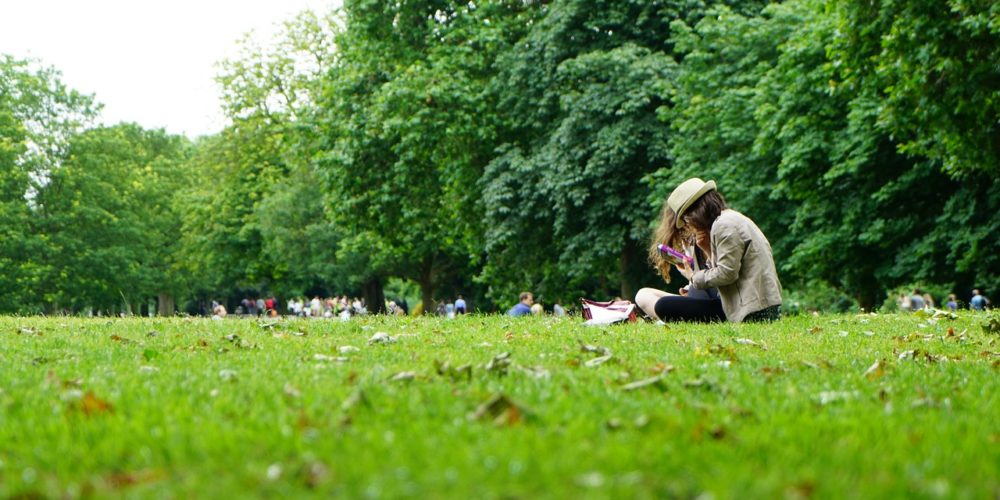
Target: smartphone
{"x": 674, "y": 254}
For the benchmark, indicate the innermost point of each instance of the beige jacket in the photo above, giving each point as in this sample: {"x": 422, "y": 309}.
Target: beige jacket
{"x": 743, "y": 268}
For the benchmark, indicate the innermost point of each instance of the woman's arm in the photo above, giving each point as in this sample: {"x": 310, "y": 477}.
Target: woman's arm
{"x": 729, "y": 249}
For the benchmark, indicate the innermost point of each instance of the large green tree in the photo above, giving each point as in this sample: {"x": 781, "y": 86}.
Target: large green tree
{"x": 38, "y": 115}
{"x": 798, "y": 140}
{"x": 107, "y": 214}
{"x": 579, "y": 95}
{"x": 409, "y": 130}
{"x": 256, "y": 221}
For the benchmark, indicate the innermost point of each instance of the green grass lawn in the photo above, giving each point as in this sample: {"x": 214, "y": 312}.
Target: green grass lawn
{"x": 829, "y": 406}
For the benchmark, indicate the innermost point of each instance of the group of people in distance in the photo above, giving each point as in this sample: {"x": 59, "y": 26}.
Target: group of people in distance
{"x": 920, "y": 300}
{"x": 527, "y": 305}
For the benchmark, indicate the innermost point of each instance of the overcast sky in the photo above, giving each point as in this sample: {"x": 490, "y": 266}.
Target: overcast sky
{"x": 148, "y": 61}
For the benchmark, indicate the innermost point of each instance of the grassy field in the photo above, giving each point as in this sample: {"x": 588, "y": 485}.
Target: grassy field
{"x": 489, "y": 406}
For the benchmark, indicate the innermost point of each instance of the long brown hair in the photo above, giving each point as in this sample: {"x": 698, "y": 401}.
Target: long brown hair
{"x": 667, "y": 234}
{"x": 703, "y": 212}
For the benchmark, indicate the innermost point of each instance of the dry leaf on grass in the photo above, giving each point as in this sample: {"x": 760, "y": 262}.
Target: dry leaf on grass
{"x": 328, "y": 359}
{"x": 455, "y": 373}
{"x": 92, "y": 405}
{"x": 876, "y": 370}
{"x": 500, "y": 410}
{"x": 657, "y": 382}
{"x": 403, "y": 376}
{"x": 381, "y": 338}
{"x": 827, "y": 397}
{"x": 499, "y": 364}
{"x": 751, "y": 342}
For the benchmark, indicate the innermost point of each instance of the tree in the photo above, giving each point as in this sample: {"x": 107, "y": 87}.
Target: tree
{"x": 240, "y": 222}
{"x": 108, "y": 217}
{"x": 408, "y": 135}
{"x": 37, "y": 116}
{"x": 800, "y": 139}
{"x": 580, "y": 94}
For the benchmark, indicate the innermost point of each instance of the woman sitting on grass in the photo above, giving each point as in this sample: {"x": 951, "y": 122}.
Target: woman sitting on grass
{"x": 730, "y": 253}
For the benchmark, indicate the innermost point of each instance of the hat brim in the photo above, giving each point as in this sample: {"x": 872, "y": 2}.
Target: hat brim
{"x": 708, "y": 186}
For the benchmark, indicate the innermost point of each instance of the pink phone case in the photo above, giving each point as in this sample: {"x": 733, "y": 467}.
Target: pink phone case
{"x": 675, "y": 254}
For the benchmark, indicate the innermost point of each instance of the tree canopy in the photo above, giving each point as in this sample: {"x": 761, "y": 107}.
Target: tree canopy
{"x": 485, "y": 148}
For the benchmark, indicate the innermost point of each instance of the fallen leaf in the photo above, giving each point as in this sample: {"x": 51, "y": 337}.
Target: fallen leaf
{"x": 403, "y": 376}
{"x": 598, "y": 361}
{"x": 445, "y": 369}
{"x": 538, "y": 372}
{"x": 918, "y": 354}
{"x": 699, "y": 383}
{"x": 500, "y": 410}
{"x": 751, "y": 342}
{"x": 119, "y": 480}
{"x": 656, "y": 381}
{"x": 827, "y": 397}
{"x": 329, "y": 359}
{"x": 876, "y": 370}
{"x": 603, "y": 351}
{"x": 381, "y": 338}
{"x": 92, "y": 405}
{"x": 499, "y": 364}
{"x": 355, "y": 399}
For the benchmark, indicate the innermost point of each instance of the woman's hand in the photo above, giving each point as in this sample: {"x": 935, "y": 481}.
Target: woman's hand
{"x": 704, "y": 241}
{"x": 685, "y": 269}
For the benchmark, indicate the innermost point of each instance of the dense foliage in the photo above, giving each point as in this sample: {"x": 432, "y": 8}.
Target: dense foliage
{"x": 485, "y": 148}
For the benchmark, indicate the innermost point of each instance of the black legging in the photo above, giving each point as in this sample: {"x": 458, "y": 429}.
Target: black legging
{"x": 679, "y": 308}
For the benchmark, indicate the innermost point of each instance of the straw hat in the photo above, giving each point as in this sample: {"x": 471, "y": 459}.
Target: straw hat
{"x": 687, "y": 193}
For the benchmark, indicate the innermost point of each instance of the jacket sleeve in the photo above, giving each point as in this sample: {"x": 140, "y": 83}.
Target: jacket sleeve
{"x": 729, "y": 249}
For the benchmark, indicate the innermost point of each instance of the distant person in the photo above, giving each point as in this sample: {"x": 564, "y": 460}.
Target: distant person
{"x": 460, "y": 305}
{"x": 536, "y": 309}
{"x": 218, "y": 310}
{"x": 952, "y": 303}
{"x": 917, "y": 301}
{"x": 558, "y": 310}
{"x": 978, "y": 302}
{"x": 928, "y": 301}
{"x": 522, "y": 308}
{"x": 903, "y": 302}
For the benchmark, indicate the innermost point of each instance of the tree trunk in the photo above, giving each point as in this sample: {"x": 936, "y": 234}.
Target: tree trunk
{"x": 165, "y": 304}
{"x": 427, "y": 285}
{"x": 624, "y": 262}
{"x": 374, "y": 296}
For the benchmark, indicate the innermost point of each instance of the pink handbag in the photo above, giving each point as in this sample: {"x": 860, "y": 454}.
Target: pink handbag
{"x": 606, "y": 313}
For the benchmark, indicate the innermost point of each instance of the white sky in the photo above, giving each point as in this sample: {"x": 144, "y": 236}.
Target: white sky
{"x": 148, "y": 61}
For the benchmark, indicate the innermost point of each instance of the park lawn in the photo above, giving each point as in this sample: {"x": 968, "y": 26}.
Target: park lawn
{"x": 174, "y": 408}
